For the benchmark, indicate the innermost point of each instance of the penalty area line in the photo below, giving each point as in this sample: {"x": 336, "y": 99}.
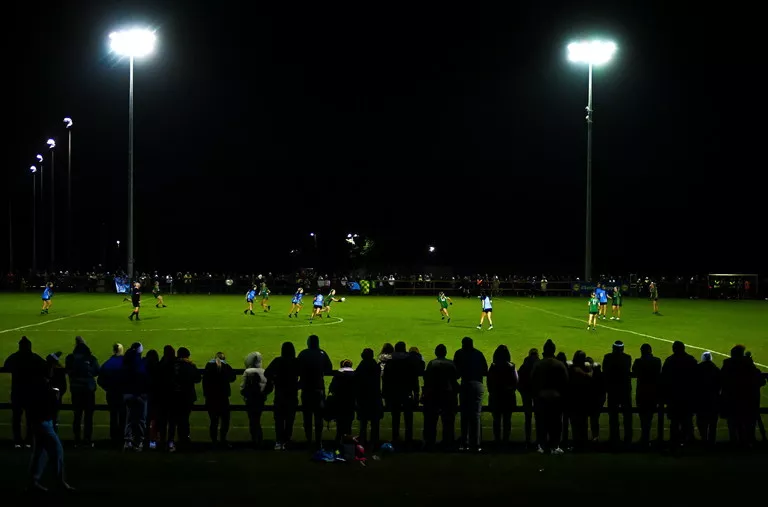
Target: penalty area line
{"x": 338, "y": 320}
{"x": 619, "y": 330}
{"x": 45, "y": 322}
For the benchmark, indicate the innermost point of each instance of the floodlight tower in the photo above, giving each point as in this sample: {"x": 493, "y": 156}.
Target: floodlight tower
{"x": 68, "y": 122}
{"x": 592, "y": 53}
{"x": 134, "y": 43}
{"x": 52, "y": 146}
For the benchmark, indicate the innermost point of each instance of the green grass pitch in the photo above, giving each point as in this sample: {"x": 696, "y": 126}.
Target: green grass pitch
{"x": 208, "y": 324}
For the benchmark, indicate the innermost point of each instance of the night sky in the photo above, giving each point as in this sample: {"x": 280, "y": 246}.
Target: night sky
{"x": 413, "y": 126}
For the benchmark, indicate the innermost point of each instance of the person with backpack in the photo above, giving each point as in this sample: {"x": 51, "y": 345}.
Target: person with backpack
{"x": 254, "y": 390}
{"x": 217, "y": 377}
{"x": 82, "y": 368}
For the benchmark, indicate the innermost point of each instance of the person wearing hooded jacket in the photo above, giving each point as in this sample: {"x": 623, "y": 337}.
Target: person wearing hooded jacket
{"x": 217, "y": 377}
{"x": 708, "y": 385}
{"x": 82, "y": 368}
{"x": 342, "y": 392}
{"x": 23, "y": 366}
{"x": 183, "y": 396}
{"x": 254, "y": 389}
{"x": 283, "y": 374}
{"x": 314, "y": 365}
{"x": 134, "y": 386}
{"x": 109, "y": 380}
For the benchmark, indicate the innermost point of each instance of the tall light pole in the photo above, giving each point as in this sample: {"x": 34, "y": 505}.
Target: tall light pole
{"x": 592, "y": 53}
{"x": 68, "y": 121}
{"x": 33, "y": 171}
{"x": 131, "y": 43}
{"x": 314, "y": 237}
{"x": 52, "y": 145}
{"x": 40, "y": 163}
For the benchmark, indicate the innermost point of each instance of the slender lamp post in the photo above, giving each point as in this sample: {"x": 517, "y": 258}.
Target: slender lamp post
{"x": 134, "y": 43}
{"x": 52, "y": 146}
{"x": 68, "y": 121}
{"x": 592, "y": 53}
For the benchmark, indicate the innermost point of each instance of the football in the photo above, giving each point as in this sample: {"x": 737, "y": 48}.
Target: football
{"x": 343, "y": 299}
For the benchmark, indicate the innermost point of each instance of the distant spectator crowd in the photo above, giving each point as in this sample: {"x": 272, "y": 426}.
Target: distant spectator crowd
{"x": 151, "y": 394}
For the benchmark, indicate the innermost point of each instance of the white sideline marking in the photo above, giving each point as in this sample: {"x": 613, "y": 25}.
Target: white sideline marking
{"x": 622, "y": 330}
{"x": 43, "y": 323}
{"x": 338, "y": 320}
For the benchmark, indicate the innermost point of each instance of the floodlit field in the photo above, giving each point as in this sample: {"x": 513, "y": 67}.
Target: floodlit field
{"x": 208, "y": 324}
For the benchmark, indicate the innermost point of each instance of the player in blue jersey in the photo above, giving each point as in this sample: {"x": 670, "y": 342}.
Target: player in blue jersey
{"x": 249, "y": 297}
{"x": 296, "y": 303}
{"x": 602, "y": 296}
{"x": 47, "y": 297}
{"x": 317, "y": 306}
{"x": 487, "y": 307}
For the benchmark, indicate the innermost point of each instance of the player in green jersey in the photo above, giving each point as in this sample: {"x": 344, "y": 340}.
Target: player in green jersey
{"x": 654, "y": 297}
{"x": 158, "y": 296}
{"x": 594, "y": 307}
{"x": 264, "y": 293}
{"x": 616, "y": 302}
{"x": 328, "y": 300}
{"x": 444, "y": 301}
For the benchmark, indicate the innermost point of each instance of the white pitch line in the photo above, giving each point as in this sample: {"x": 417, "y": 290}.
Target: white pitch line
{"x": 621, "y": 330}
{"x": 191, "y": 329}
{"x": 45, "y": 322}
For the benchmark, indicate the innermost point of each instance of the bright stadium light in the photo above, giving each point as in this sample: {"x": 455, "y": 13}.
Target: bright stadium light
{"x": 135, "y": 43}
{"x": 51, "y": 143}
{"x": 592, "y": 53}
{"x": 431, "y": 249}
{"x": 32, "y": 169}
{"x": 69, "y": 122}
{"x": 312, "y": 234}
{"x": 39, "y": 158}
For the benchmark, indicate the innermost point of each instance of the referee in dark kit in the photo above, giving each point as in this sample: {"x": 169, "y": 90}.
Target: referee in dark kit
{"x": 135, "y": 300}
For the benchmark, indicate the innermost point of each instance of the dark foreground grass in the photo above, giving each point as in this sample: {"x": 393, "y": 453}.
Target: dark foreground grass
{"x": 243, "y": 477}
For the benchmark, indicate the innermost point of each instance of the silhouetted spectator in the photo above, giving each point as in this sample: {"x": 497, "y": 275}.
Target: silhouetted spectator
{"x": 134, "y": 384}
{"x": 760, "y": 381}
{"x": 549, "y": 383}
{"x": 441, "y": 389}
{"x": 368, "y": 393}
{"x": 400, "y": 382}
{"x": 617, "y": 368}
{"x": 678, "y": 376}
{"x": 579, "y": 398}
{"x": 647, "y": 370}
{"x": 163, "y": 379}
{"x": 43, "y": 400}
{"x": 283, "y": 374}
{"x": 526, "y": 390}
{"x": 217, "y": 377}
{"x": 58, "y": 379}
{"x": 154, "y": 395}
{"x": 183, "y": 397}
{"x": 341, "y": 400}
{"x": 597, "y": 399}
{"x": 740, "y": 380}
{"x": 502, "y": 399}
{"x": 385, "y": 355}
{"x": 82, "y": 368}
{"x": 708, "y": 384}
{"x": 109, "y": 380}
{"x": 254, "y": 389}
{"x": 472, "y": 368}
{"x": 314, "y": 365}
{"x": 24, "y": 366}
{"x": 566, "y": 419}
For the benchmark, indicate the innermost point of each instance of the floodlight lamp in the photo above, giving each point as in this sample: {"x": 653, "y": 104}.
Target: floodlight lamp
{"x": 51, "y": 143}
{"x": 312, "y": 234}
{"x": 40, "y": 158}
{"x": 431, "y": 249}
{"x": 69, "y": 122}
{"x": 349, "y": 235}
{"x": 593, "y": 52}
{"x": 135, "y": 43}
{"x": 32, "y": 169}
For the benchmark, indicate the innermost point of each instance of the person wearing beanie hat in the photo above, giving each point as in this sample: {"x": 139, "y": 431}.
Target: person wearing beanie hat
{"x": 678, "y": 376}
{"x": 82, "y": 368}
{"x": 26, "y": 369}
{"x": 647, "y": 370}
{"x": 549, "y": 382}
{"x": 707, "y": 395}
{"x": 109, "y": 380}
{"x": 79, "y": 339}
{"x": 183, "y": 397}
{"x": 617, "y": 371}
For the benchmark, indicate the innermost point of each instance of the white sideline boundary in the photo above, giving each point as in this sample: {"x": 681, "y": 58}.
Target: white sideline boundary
{"x": 338, "y": 320}
{"x": 43, "y": 323}
{"x": 619, "y": 330}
